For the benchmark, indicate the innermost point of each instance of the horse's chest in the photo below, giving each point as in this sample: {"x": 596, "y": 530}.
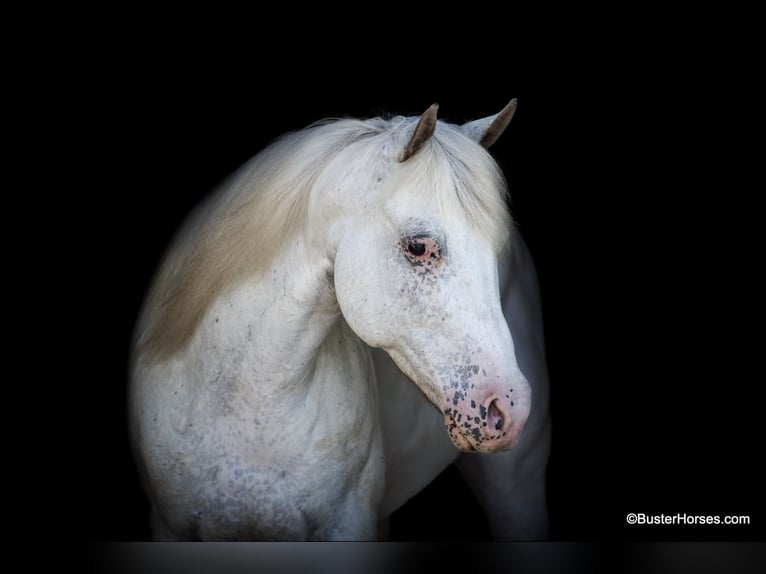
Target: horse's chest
{"x": 248, "y": 458}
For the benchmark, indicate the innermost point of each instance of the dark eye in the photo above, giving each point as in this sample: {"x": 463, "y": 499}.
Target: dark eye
{"x": 416, "y": 248}
{"x": 421, "y": 250}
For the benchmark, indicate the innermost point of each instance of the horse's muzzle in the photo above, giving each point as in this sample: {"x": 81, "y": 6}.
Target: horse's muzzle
{"x": 493, "y": 425}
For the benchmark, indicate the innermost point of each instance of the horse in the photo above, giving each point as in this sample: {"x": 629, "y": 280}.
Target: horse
{"x": 349, "y": 314}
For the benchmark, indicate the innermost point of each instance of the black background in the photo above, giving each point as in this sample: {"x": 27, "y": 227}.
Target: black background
{"x": 627, "y": 178}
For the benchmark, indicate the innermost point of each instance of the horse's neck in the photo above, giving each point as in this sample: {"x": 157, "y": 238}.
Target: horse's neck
{"x": 279, "y": 321}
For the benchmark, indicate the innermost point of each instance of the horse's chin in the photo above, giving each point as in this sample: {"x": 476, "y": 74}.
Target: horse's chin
{"x": 462, "y": 442}
{"x": 465, "y": 444}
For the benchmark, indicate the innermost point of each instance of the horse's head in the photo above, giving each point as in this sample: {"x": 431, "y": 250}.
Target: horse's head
{"x": 416, "y": 275}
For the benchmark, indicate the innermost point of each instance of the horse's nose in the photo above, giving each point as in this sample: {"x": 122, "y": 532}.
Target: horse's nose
{"x": 505, "y": 421}
{"x": 498, "y": 418}
{"x": 491, "y": 425}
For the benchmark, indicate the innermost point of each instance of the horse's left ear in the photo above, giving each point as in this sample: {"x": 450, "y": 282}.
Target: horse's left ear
{"x": 487, "y": 130}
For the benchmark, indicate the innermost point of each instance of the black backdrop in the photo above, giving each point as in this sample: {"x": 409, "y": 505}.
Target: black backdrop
{"x": 623, "y": 180}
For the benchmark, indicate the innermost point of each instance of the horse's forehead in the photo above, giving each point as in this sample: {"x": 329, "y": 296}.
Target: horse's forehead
{"x": 406, "y": 206}
{"x": 414, "y": 212}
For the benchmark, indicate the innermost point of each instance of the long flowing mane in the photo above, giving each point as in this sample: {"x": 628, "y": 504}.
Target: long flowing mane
{"x": 239, "y": 231}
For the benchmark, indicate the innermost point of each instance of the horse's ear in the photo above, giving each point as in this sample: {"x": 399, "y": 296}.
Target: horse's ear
{"x": 423, "y": 131}
{"x": 487, "y": 130}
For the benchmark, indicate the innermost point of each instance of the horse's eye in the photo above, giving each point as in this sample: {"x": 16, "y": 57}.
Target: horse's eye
{"x": 416, "y": 248}
{"x": 421, "y": 250}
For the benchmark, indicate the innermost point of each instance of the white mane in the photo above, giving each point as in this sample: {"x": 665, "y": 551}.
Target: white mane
{"x": 239, "y": 231}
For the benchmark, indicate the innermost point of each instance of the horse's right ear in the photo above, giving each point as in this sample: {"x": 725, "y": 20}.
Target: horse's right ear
{"x": 486, "y": 130}
{"x": 423, "y": 131}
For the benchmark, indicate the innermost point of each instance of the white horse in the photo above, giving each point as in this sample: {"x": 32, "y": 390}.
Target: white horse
{"x": 268, "y": 396}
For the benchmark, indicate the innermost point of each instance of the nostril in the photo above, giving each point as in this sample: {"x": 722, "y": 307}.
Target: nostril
{"x": 495, "y": 415}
